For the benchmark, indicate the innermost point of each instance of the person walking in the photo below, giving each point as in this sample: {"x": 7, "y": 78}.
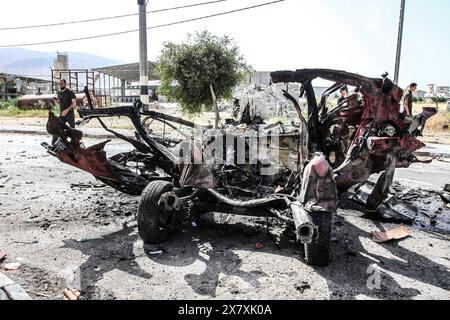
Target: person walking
{"x": 68, "y": 104}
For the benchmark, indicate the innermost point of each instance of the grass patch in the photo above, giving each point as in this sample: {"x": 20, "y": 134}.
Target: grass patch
{"x": 6, "y": 104}
{"x": 438, "y": 122}
{"x": 8, "y": 108}
{"x": 15, "y": 112}
{"x": 418, "y": 107}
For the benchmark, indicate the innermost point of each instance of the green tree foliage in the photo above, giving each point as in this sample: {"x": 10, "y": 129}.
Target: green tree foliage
{"x": 438, "y": 100}
{"x": 200, "y": 71}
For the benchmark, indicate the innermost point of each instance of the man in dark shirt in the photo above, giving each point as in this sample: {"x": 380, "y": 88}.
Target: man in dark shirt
{"x": 408, "y": 100}
{"x": 344, "y": 95}
{"x": 68, "y": 104}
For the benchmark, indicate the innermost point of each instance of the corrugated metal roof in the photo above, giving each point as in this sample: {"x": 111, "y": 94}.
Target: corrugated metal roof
{"x": 11, "y": 77}
{"x": 128, "y": 72}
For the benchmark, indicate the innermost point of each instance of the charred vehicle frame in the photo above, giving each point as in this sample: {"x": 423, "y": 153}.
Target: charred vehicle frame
{"x": 319, "y": 160}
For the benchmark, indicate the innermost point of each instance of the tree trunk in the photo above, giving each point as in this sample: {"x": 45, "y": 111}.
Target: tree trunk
{"x": 216, "y": 107}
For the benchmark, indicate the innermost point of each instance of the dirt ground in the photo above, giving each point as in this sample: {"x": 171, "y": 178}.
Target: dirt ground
{"x": 68, "y": 230}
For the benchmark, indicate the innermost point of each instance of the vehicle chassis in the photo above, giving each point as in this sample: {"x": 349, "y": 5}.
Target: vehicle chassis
{"x": 332, "y": 150}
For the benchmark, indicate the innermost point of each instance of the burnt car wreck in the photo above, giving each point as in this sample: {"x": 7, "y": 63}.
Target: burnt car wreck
{"x": 299, "y": 177}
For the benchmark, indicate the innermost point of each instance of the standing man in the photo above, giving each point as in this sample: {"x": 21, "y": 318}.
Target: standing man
{"x": 408, "y": 100}
{"x": 344, "y": 95}
{"x": 68, "y": 104}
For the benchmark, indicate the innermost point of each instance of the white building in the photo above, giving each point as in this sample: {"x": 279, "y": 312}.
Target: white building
{"x": 420, "y": 94}
{"x": 438, "y": 91}
{"x": 443, "y": 91}
{"x": 261, "y": 78}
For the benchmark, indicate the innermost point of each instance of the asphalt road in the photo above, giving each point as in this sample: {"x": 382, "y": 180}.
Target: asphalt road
{"x": 67, "y": 230}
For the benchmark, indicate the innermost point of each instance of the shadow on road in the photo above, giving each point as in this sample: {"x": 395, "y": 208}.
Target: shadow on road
{"x": 215, "y": 246}
{"x": 347, "y": 276}
{"x": 110, "y": 252}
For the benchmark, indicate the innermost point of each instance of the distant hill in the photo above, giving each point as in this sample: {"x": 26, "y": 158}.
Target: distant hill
{"x": 28, "y": 62}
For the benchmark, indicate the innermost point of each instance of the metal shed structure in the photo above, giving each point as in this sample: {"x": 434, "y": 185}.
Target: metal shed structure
{"x": 12, "y": 85}
{"x": 115, "y": 83}
{"x": 108, "y": 85}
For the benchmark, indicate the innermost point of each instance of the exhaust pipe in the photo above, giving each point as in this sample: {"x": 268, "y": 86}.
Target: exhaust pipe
{"x": 305, "y": 229}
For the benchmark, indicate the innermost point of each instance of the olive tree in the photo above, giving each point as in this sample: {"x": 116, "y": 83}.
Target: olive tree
{"x": 200, "y": 72}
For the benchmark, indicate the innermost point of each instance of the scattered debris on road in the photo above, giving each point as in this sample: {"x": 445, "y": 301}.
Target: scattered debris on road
{"x": 259, "y": 246}
{"x": 87, "y": 186}
{"x": 154, "y": 253}
{"x": 398, "y": 233}
{"x": 72, "y": 294}
{"x": 303, "y": 287}
{"x": 445, "y": 197}
{"x": 12, "y": 266}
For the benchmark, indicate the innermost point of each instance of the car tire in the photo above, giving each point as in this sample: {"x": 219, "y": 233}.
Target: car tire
{"x": 155, "y": 224}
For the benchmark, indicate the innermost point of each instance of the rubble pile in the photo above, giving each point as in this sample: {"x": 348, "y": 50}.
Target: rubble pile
{"x": 267, "y": 101}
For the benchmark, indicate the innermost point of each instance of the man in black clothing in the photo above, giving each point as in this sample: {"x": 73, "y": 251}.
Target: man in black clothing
{"x": 68, "y": 103}
{"x": 344, "y": 95}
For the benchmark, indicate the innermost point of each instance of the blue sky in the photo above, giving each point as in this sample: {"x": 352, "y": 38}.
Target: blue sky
{"x": 354, "y": 35}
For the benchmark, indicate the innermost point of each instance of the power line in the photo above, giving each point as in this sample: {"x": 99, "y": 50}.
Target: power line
{"x": 136, "y": 30}
{"x": 110, "y": 17}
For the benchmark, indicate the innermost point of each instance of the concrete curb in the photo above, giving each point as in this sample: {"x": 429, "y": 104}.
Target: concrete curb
{"x": 15, "y": 131}
{"x": 9, "y": 290}
{"x": 44, "y": 133}
{"x": 434, "y": 155}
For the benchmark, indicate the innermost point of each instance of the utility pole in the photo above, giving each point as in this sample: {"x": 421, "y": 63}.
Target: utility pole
{"x": 143, "y": 50}
{"x": 399, "y": 42}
